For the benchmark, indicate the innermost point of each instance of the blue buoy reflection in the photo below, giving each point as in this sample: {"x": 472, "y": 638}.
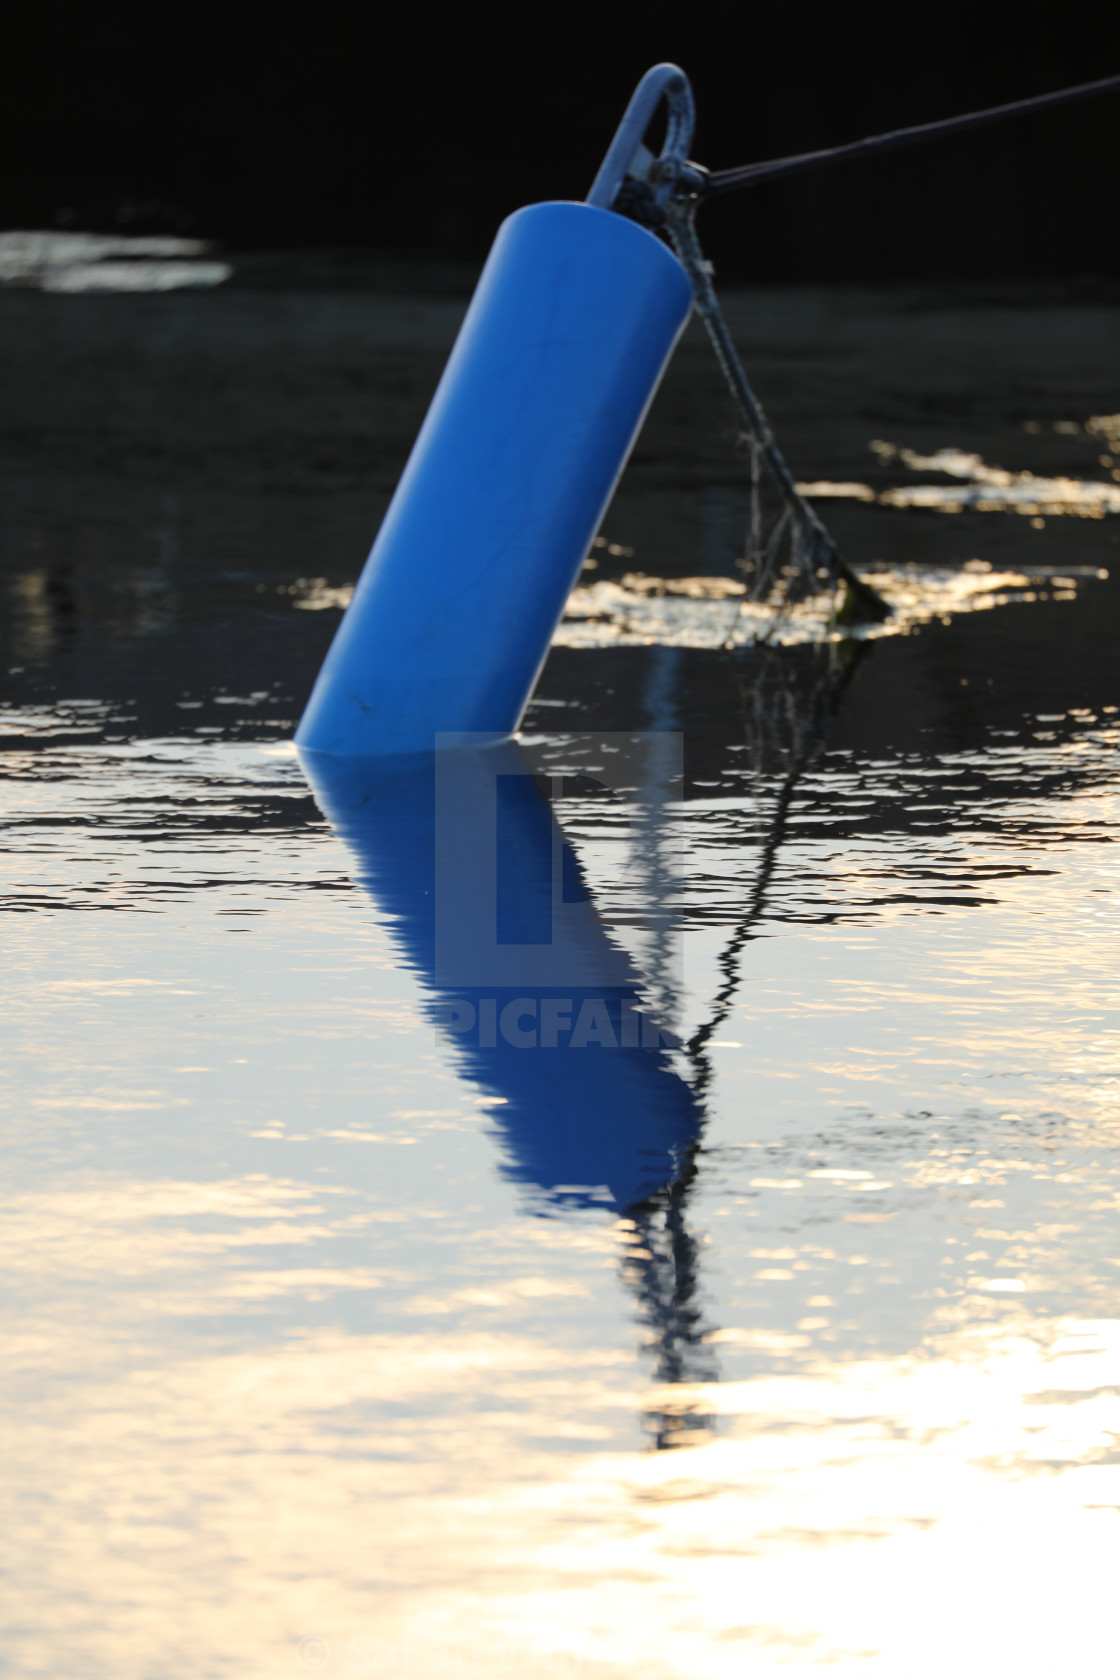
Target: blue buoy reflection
{"x": 542, "y": 1009}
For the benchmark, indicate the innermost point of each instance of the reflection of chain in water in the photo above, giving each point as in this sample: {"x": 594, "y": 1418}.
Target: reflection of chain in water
{"x": 661, "y": 1267}
{"x": 784, "y": 724}
{"x": 660, "y": 1264}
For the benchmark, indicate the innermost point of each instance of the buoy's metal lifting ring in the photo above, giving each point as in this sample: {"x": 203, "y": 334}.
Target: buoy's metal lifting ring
{"x": 632, "y": 181}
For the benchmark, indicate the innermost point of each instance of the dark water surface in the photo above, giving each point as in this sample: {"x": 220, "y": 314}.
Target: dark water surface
{"x": 332, "y": 1344}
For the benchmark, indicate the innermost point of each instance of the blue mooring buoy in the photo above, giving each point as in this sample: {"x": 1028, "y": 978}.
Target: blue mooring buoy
{"x": 561, "y": 351}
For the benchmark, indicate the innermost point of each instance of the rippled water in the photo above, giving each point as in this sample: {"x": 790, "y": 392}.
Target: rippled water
{"x": 336, "y": 1344}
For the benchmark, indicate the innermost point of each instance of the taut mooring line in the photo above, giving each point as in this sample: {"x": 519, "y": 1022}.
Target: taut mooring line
{"x": 752, "y": 174}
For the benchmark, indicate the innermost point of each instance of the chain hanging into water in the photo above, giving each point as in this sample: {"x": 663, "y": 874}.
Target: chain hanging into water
{"x": 789, "y": 553}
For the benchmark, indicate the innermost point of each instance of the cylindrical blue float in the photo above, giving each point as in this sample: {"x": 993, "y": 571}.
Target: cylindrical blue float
{"x": 563, "y": 346}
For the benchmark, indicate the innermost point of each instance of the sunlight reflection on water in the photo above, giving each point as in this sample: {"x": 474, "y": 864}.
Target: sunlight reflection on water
{"x": 288, "y": 1359}
{"x": 713, "y": 612}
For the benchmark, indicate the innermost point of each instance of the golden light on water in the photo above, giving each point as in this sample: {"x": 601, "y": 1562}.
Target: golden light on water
{"x": 304, "y": 1373}
{"x": 206, "y": 1458}
{"x": 713, "y": 612}
{"x": 402, "y": 1495}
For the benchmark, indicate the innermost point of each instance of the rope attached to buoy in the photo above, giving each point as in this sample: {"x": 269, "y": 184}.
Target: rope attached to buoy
{"x": 790, "y": 552}
{"x": 752, "y": 174}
